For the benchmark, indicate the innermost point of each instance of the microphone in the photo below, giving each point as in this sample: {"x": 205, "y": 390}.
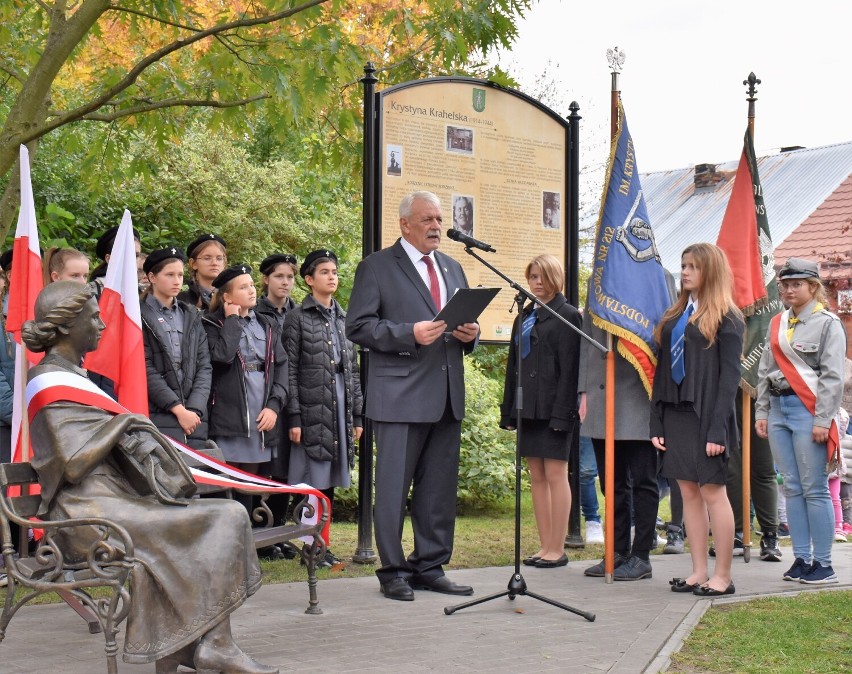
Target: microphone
{"x": 469, "y": 241}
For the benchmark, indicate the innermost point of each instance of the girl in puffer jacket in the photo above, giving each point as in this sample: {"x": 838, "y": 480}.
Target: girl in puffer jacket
{"x": 324, "y": 403}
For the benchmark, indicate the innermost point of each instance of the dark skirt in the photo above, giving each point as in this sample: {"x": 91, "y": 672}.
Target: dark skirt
{"x": 686, "y": 455}
{"x": 538, "y": 440}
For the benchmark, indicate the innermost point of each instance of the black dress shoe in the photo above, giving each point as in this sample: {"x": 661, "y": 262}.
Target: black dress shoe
{"x": 680, "y": 585}
{"x": 599, "y": 570}
{"x": 271, "y": 552}
{"x": 399, "y": 589}
{"x": 707, "y": 591}
{"x": 440, "y": 584}
{"x": 530, "y": 561}
{"x": 633, "y": 569}
{"x": 551, "y": 563}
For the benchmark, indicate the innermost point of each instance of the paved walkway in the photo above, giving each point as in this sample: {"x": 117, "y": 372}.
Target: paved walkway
{"x": 638, "y": 624}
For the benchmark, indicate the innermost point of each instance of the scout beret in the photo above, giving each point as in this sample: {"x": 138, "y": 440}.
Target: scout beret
{"x": 310, "y": 258}
{"x": 229, "y": 274}
{"x": 104, "y": 245}
{"x": 155, "y": 257}
{"x": 269, "y": 263}
{"x": 204, "y": 238}
{"x": 796, "y": 267}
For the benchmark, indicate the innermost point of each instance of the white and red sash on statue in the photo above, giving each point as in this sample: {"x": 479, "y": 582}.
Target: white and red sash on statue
{"x": 51, "y": 387}
{"x": 802, "y": 379}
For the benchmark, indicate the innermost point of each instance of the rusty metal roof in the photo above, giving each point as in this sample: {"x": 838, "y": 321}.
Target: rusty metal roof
{"x": 794, "y": 183}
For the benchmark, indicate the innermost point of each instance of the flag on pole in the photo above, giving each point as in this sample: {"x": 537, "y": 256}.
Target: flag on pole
{"x": 628, "y": 292}
{"x": 26, "y": 281}
{"x": 25, "y": 284}
{"x": 746, "y": 240}
{"x": 121, "y": 353}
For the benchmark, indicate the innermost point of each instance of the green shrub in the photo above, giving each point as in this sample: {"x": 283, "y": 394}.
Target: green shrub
{"x": 487, "y": 465}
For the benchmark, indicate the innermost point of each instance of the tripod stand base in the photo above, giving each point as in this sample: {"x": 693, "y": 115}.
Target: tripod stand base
{"x": 518, "y": 586}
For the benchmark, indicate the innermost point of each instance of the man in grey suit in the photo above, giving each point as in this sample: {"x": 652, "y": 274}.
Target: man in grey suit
{"x": 415, "y": 395}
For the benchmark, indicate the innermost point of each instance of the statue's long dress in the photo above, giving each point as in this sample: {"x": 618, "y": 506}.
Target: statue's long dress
{"x": 196, "y": 563}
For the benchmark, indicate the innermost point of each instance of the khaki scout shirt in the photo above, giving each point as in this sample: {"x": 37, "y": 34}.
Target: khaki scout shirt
{"x": 819, "y": 339}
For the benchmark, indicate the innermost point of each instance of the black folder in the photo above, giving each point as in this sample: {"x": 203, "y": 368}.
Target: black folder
{"x": 465, "y": 306}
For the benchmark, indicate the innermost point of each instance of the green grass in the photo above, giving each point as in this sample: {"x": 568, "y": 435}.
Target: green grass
{"x": 807, "y": 634}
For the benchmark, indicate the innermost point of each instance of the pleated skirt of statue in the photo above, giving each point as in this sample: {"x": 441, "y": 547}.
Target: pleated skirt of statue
{"x": 686, "y": 455}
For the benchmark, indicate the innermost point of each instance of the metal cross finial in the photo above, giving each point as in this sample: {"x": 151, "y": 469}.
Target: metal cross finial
{"x": 616, "y": 59}
{"x": 751, "y": 83}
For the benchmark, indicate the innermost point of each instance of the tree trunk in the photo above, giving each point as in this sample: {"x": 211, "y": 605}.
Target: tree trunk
{"x": 29, "y": 111}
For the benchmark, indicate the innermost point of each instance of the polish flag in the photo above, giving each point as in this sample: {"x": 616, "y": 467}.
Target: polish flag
{"x": 121, "y": 354}
{"x": 24, "y": 286}
{"x": 27, "y": 281}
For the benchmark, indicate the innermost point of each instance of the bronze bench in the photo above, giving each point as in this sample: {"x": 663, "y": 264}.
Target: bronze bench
{"x": 108, "y": 564}
{"x": 268, "y": 533}
{"x": 111, "y": 558}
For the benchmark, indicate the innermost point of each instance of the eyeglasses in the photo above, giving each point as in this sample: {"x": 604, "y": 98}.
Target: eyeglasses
{"x": 209, "y": 258}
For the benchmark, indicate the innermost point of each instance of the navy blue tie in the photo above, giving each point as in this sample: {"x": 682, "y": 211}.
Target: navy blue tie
{"x": 678, "y": 342}
{"x": 526, "y": 329}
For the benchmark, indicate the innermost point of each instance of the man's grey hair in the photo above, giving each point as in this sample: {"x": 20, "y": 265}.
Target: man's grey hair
{"x": 409, "y": 199}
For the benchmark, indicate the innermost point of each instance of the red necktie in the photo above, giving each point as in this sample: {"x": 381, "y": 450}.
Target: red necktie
{"x": 434, "y": 287}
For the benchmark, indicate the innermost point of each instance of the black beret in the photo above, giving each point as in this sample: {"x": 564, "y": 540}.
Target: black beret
{"x": 156, "y": 256}
{"x": 310, "y": 258}
{"x": 204, "y": 238}
{"x": 104, "y": 245}
{"x": 269, "y": 263}
{"x": 6, "y": 259}
{"x": 796, "y": 267}
{"x": 229, "y": 274}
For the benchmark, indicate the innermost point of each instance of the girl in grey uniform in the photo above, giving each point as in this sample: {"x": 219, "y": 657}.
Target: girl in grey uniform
{"x": 325, "y": 402}
{"x": 249, "y": 371}
{"x": 800, "y": 386}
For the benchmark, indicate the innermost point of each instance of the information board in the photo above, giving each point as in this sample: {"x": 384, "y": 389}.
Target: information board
{"x": 497, "y": 160}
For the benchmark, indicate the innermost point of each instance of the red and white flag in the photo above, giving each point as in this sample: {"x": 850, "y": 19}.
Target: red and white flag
{"x": 25, "y": 284}
{"x": 121, "y": 353}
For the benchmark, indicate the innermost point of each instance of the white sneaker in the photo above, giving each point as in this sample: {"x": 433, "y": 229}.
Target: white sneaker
{"x": 839, "y": 536}
{"x": 594, "y": 533}
{"x": 4, "y": 580}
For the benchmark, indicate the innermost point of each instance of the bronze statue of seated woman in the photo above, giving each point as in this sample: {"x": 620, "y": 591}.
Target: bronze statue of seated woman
{"x": 92, "y": 462}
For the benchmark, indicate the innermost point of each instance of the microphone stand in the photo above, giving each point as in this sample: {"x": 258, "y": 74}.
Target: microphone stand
{"x": 517, "y": 584}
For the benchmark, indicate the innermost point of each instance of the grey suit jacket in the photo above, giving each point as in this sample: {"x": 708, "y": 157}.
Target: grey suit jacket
{"x": 406, "y": 382}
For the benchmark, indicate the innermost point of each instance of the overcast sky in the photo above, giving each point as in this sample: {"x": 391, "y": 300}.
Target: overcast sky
{"x": 682, "y": 81}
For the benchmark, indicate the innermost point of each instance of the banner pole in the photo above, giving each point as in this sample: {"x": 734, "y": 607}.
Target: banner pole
{"x": 609, "y": 442}
{"x": 746, "y": 411}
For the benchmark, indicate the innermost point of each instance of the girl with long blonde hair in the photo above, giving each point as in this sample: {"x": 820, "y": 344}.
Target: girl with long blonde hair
{"x": 693, "y": 418}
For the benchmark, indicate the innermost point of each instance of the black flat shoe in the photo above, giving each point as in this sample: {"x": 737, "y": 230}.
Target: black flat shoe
{"x": 680, "y": 585}
{"x": 707, "y": 591}
{"x": 530, "y": 561}
{"x": 551, "y": 563}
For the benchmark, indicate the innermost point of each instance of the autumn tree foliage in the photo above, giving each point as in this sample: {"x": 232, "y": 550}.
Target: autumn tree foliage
{"x": 145, "y": 65}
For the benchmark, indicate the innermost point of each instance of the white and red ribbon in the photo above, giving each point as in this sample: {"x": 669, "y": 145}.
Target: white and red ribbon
{"x": 50, "y": 387}
{"x": 802, "y": 379}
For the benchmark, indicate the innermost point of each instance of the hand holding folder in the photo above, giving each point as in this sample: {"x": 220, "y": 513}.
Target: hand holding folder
{"x": 465, "y": 306}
